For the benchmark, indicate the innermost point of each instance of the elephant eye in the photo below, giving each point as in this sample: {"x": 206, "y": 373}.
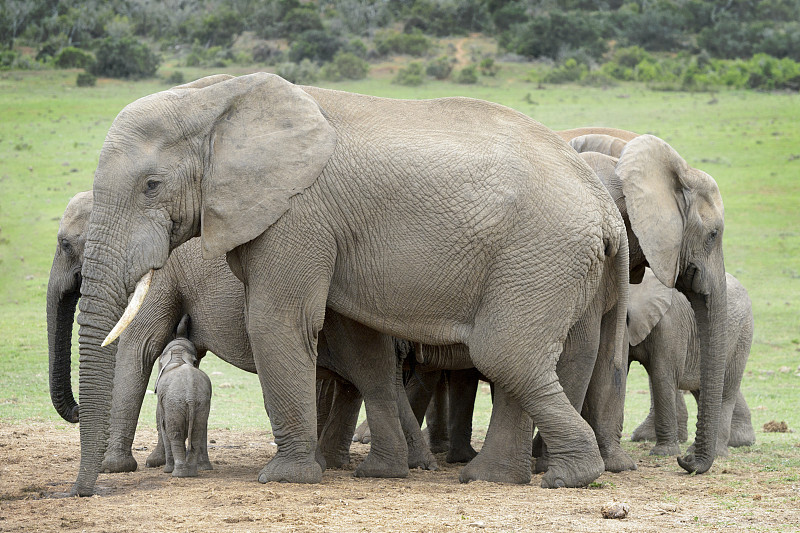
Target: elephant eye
{"x": 712, "y": 236}
{"x": 66, "y": 246}
{"x": 151, "y": 186}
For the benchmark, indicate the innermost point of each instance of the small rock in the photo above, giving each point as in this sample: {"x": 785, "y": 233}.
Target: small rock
{"x": 615, "y": 510}
{"x": 478, "y": 524}
{"x": 784, "y": 370}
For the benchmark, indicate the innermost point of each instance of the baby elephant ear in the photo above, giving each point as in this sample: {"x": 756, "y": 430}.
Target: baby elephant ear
{"x": 269, "y": 142}
{"x": 647, "y": 305}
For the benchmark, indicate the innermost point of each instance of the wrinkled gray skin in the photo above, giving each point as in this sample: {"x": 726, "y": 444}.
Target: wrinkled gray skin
{"x": 444, "y": 225}
{"x": 675, "y": 222}
{"x": 184, "y": 401}
{"x": 663, "y": 336}
{"x": 215, "y": 298}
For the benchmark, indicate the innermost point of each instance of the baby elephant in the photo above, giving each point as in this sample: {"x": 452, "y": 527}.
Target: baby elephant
{"x": 184, "y": 401}
{"x": 663, "y": 337}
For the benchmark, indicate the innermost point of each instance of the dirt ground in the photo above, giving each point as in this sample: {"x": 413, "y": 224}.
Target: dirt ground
{"x": 39, "y": 463}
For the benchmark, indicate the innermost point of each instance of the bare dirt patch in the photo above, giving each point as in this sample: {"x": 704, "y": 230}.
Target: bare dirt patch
{"x": 38, "y": 462}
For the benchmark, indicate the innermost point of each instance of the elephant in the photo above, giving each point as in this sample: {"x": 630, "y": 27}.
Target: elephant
{"x": 674, "y": 218}
{"x": 663, "y": 338}
{"x": 454, "y": 222}
{"x": 184, "y": 402}
{"x": 214, "y": 297}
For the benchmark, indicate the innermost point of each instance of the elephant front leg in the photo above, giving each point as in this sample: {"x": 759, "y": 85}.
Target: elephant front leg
{"x": 462, "y": 388}
{"x": 130, "y": 384}
{"x": 664, "y": 383}
{"x": 337, "y": 429}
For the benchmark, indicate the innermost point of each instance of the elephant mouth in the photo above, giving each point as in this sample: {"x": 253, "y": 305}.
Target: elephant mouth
{"x": 691, "y": 280}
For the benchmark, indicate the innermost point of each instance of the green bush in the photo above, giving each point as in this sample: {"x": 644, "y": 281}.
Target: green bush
{"x": 304, "y": 72}
{"x": 467, "y": 75}
{"x": 412, "y": 75}
{"x": 351, "y": 66}
{"x": 316, "y": 45}
{"x": 393, "y": 42}
{"x": 176, "y": 78}
{"x": 125, "y": 58}
{"x": 571, "y": 71}
{"x": 439, "y": 68}
{"x": 71, "y": 57}
{"x": 488, "y": 66}
{"x": 86, "y": 79}
{"x": 301, "y": 19}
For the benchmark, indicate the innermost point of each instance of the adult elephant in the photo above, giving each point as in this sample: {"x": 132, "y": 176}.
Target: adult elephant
{"x": 675, "y": 221}
{"x": 208, "y": 291}
{"x": 449, "y": 221}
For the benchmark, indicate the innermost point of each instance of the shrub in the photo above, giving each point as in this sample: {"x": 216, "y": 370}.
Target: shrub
{"x": 264, "y": 53}
{"x": 412, "y": 75}
{"x": 301, "y": 19}
{"x": 125, "y": 58}
{"x": 439, "y": 68}
{"x": 316, "y": 45}
{"x": 571, "y": 71}
{"x": 488, "y": 66}
{"x": 304, "y": 72}
{"x": 393, "y": 42}
{"x": 71, "y": 57}
{"x": 176, "y": 78}
{"x": 467, "y": 75}
{"x": 85, "y": 79}
{"x": 351, "y": 66}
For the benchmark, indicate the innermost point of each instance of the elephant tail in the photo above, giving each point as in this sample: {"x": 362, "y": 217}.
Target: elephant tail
{"x": 621, "y": 264}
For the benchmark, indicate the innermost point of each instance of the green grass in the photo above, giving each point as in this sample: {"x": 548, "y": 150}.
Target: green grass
{"x": 51, "y": 133}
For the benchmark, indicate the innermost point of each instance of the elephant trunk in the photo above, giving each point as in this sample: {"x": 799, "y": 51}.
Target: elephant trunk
{"x": 102, "y": 302}
{"x": 710, "y": 311}
{"x": 62, "y": 299}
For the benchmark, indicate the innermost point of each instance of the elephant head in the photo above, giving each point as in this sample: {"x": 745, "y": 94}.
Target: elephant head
{"x": 220, "y": 158}
{"x": 63, "y": 291}
{"x": 676, "y": 214}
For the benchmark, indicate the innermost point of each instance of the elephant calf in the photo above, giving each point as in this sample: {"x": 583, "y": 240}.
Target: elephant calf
{"x": 184, "y": 401}
{"x": 664, "y": 338}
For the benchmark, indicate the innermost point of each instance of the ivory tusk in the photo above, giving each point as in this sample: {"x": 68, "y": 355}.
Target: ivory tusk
{"x": 133, "y": 307}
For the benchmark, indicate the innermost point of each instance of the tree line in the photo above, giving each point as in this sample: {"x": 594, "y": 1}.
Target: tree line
{"x": 135, "y": 33}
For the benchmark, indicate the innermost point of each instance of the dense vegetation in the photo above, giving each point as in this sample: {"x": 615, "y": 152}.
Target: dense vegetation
{"x": 681, "y": 44}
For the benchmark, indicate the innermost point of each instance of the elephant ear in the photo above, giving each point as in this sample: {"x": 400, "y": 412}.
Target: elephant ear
{"x": 653, "y": 178}
{"x": 648, "y": 303}
{"x": 605, "y": 144}
{"x": 268, "y": 142}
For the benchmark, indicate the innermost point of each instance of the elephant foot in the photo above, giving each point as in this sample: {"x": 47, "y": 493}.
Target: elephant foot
{"x": 436, "y": 442}
{"x": 374, "y": 466}
{"x": 285, "y": 470}
{"x": 646, "y": 431}
{"x": 362, "y": 433}
{"x": 671, "y": 448}
{"x": 113, "y": 463}
{"x": 461, "y": 454}
{"x": 742, "y": 435}
{"x": 484, "y": 468}
{"x": 617, "y": 460}
{"x": 336, "y": 459}
{"x": 541, "y": 464}
{"x": 573, "y": 470}
{"x": 185, "y": 470}
{"x": 204, "y": 465}
{"x": 156, "y": 458}
{"x": 420, "y": 456}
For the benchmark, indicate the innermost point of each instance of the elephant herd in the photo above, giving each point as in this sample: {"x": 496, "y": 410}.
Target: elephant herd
{"x": 327, "y": 241}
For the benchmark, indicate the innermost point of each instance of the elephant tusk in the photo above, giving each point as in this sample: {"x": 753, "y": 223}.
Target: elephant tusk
{"x": 133, "y": 307}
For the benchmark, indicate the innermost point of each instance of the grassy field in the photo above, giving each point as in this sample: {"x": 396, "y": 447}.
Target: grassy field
{"x": 51, "y": 133}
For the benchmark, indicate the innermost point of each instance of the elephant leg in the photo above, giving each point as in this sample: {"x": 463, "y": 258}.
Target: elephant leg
{"x": 574, "y": 369}
{"x": 742, "y": 433}
{"x": 169, "y": 460}
{"x": 326, "y": 387}
{"x": 436, "y": 415}
{"x": 530, "y": 378}
{"x": 420, "y": 387}
{"x": 419, "y": 453}
{"x": 682, "y": 416}
{"x": 646, "y": 431}
{"x": 200, "y": 442}
{"x": 177, "y": 444}
{"x": 367, "y": 359}
{"x": 664, "y": 381}
{"x": 506, "y": 453}
{"x": 334, "y": 438}
{"x": 132, "y": 372}
{"x": 362, "y": 433}
{"x": 604, "y": 407}
{"x": 462, "y": 388}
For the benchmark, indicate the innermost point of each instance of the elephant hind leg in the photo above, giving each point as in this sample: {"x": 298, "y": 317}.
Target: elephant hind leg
{"x": 524, "y": 366}
{"x": 742, "y": 433}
